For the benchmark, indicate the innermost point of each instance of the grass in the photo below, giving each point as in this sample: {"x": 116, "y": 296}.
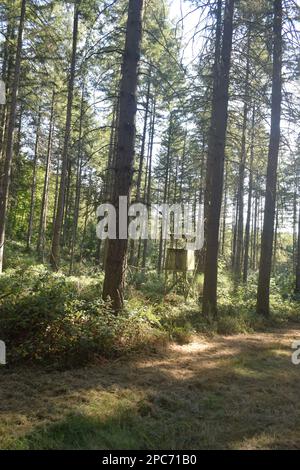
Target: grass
{"x": 233, "y": 392}
{"x": 170, "y": 380}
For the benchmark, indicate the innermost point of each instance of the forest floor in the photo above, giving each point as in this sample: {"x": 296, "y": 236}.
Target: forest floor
{"x": 234, "y": 392}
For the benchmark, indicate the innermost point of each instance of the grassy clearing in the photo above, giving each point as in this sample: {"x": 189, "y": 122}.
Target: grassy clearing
{"x": 235, "y": 392}
{"x": 187, "y": 388}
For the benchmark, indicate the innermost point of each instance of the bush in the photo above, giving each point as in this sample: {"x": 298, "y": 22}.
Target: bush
{"x": 62, "y": 320}
{"x": 181, "y": 335}
{"x": 50, "y": 318}
{"x": 231, "y": 325}
{"x": 149, "y": 283}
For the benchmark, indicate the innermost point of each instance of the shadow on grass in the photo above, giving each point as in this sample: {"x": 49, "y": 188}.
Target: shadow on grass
{"x": 237, "y": 392}
{"x": 78, "y": 431}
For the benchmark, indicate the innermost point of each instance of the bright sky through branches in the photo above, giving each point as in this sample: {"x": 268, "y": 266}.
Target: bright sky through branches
{"x": 187, "y": 18}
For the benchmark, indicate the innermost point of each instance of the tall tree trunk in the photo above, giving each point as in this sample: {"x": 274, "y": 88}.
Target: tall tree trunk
{"x": 45, "y": 196}
{"x": 297, "y": 288}
{"x": 132, "y": 260}
{"x": 248, "y": 221}
{"x": 161, "y": 244}
{"x": 5, "y": 76}
{"x": 33, "y": 185}
{"x": 110, "y": 159}
{"x": 78, "y": 186}
{"x": 275, "y": 247}
{"x": 235, "y": 213}
{"x": 86, "y": 215}
{"x": 114, "y": 150}
{"x": 241, "y": 183}
{"x": 142, "y": 155}
{"x": 294, "y": 218}
{"x": 182, "y": 169}
{"x": 55, "y": 249}
{"x": 56, "y": 189}
{"x": 116, "y": 260}
{"x": 215, "y": 163}
{"x": 255, "y": 232}
{"x": 5, "y": 183}
{"x": 263, "y": 294}
{"x": 225, "y": 210}
{"x": 8, "y": 76}
{"x": 148, "y": 198}
{"x": 15, "y": 176}
{"x": 67, "y": 206}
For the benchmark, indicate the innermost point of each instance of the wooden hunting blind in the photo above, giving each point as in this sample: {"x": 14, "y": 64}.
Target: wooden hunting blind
{"x": 180, "y": 260}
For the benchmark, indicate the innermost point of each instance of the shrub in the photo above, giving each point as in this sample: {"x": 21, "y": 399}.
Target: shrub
{"x": 149, "y": 283}
{"x": 230, "y": 325}
{"x": 50, "y": 318}
{"x": 182, "y": 335}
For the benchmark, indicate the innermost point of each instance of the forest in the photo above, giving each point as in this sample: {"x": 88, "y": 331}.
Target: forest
{"x": 149, "y": 224}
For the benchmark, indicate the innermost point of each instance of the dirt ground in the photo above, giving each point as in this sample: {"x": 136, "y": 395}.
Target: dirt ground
{"x": 237, "y": 392}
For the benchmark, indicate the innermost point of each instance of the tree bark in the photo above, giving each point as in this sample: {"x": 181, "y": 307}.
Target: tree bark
{"x": 55, "y": 248}
{"x": 161, "y": 244}
{"x": 248, "y": 221}
{"x": 5, "y": 74}
{"x": 255, "y": 232}
{"x": 33, "y": 185}
{"x": 142, "y": 155}
{"x": 148, "y": 198}
{"x": 133, "y": 260}
{"x": 5, "y": 183}
{"x": 241, "y": 183}
{"x": 263, "y": 294}
{"x": 215, "y": 163}
{"x": 78, "y": 187}
{"x": 116, "y": 260}
{"x": 45, "y": 196}
{"x": 275, "y": 244}
{"x": 297, "y": 288}
{"x": 225, "y": 210}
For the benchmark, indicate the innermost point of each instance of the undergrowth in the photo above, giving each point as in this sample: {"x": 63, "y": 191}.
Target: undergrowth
{"x": 61, "y": 320}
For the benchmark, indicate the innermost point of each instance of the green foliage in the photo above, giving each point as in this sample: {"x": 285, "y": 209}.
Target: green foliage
{"x": 181, "y": 335}
{"x": 54, "y": 319}
{"x": 181, "y": 319}
{"x": 61, "y": 320}
{"x": 149, "y": 283}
